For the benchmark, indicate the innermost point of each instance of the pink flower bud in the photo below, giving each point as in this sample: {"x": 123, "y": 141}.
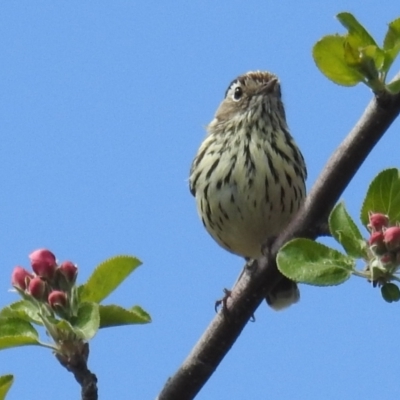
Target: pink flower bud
{"x": 37, "y": 288}
{"x": 392, "y": 237}
{"x": 377, "y": 221}
{"x": 376, "y": 242}
{"x": 43, "y": 263}
{"x": 57, "y": 299}
{"x": 69, "y": 270}
{"x": 387, "y": 258}
{"x": 375, "y": 238}
{"x": 20, "y": 278}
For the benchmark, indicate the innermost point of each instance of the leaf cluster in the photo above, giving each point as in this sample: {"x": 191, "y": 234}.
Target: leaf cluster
{"x": 18, "y": 319}
{"x": 356, "y": 57}
{"x": 306, "y": 261}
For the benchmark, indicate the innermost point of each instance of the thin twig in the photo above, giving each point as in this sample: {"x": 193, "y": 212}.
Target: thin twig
{"x": 76, "y": 363}
{"x": 251, "y": 288}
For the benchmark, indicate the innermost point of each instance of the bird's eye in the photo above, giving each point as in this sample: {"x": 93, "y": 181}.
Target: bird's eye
{"x": 237, "y": 94}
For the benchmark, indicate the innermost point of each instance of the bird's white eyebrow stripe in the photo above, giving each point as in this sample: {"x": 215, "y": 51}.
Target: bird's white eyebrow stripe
{"x": 232, "y": 84}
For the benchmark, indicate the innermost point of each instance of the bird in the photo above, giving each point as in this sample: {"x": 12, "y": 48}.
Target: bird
{"x": 248, "y": 176}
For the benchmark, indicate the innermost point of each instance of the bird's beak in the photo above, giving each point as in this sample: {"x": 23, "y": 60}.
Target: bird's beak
{"x": 269, "y": 87}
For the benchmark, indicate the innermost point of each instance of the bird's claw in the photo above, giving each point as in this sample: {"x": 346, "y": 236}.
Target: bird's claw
{"x": 223, "y": 302}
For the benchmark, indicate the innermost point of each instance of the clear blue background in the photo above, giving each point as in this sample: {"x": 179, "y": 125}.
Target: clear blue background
{"x": 102, "y": 108}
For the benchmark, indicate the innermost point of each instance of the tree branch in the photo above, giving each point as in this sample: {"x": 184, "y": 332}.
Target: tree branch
{"x": 253, "y": 285}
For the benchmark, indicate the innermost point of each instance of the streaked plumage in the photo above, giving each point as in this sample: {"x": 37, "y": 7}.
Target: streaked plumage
{"x": 248, "y": 176}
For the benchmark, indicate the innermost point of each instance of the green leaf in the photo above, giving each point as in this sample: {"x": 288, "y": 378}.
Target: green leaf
{"x": 87, "y": 322}
{"x": 392, "y": 38}
{"x": 358, "y": 35}
{"x": 391, "y": 44}
{"x": 345, "y": 231}
{"x": 22, "y": 309}
{"x": 383, "y": 196}
{"x": 361, "y": 50}
{"x": 306, "y": 261}
{"x": 390, "y": 56}
{"x": 113, "y": 315}
{"x": 5, "y": 383}
{"x": 393, "y": 87}
{"x": 63, "y": 330}
{"x": 390, "y": 292}
{"x": 16, "y": 332}
{"x": 367, "y": 61}
{"x": 329, "y": 56}
{"x": 375, "y": 54}
{"x": 107, "y": 277}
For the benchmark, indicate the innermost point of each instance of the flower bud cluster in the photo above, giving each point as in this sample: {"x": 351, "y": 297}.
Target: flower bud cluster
{"x": 49, "y": 282}
{"x": 384, "y": 241}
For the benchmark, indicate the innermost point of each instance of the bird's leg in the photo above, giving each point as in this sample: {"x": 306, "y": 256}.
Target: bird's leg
{"x": 266, "y": 247}
{"x": 248, "y": 267}
{"x": 223, "y": 301}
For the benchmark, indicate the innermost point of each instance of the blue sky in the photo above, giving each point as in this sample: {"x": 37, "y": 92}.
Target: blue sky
{"x": 102, "y": 108}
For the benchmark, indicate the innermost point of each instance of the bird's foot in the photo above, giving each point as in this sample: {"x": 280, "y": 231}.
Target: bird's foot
{"x": 223, "y": 302}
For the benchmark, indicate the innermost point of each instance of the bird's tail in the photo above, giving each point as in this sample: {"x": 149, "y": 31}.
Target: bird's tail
{"x": 283, "y": 295}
